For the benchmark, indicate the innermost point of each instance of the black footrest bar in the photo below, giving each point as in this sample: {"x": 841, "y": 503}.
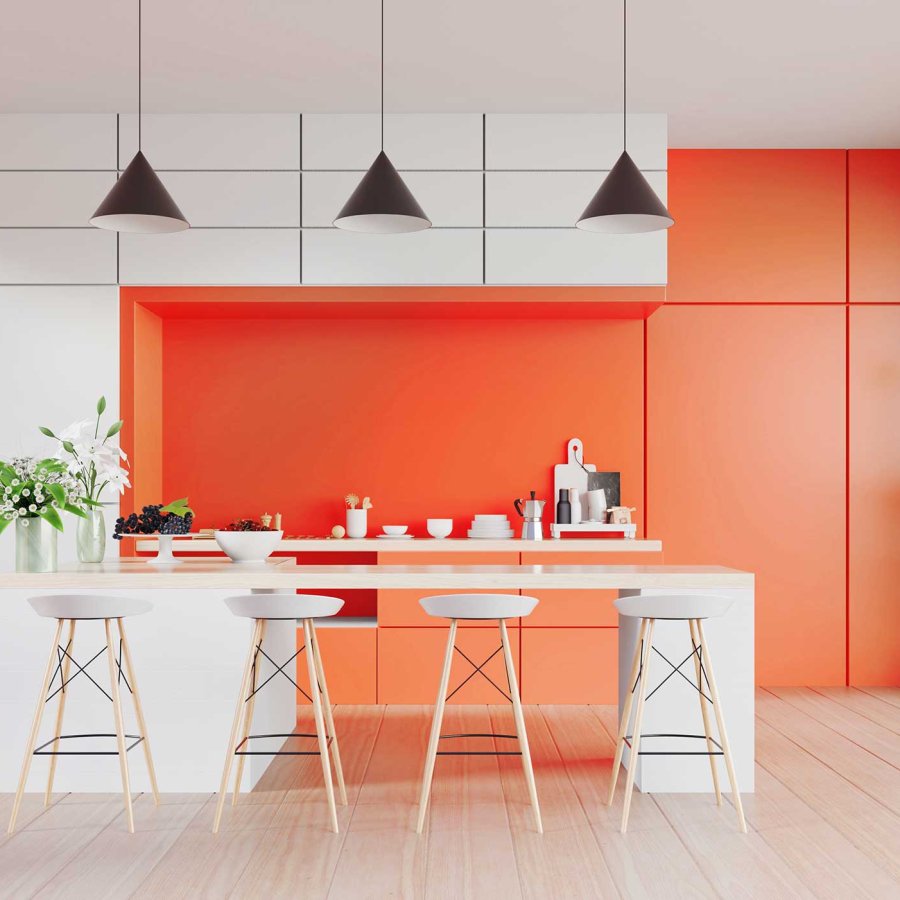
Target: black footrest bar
{"x": 40, "y": 751}
{"x": 698, "y": 737}
{"x": 250, "y": 737}
{"x": 509, "y": 737}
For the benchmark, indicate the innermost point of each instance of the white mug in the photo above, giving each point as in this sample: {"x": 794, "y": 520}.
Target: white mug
{"x": 596, "y": 505}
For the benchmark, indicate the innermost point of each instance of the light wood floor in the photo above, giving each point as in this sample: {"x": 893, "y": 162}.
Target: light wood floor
{"x": 824, "y": 821}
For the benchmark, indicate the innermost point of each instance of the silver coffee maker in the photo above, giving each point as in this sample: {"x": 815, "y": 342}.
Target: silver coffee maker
{"x": 531, "y": 511}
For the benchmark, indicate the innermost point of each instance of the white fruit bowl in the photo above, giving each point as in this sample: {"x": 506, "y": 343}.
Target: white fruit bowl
{"x": 249, "y": 546}
{"x": 439, "y": 528}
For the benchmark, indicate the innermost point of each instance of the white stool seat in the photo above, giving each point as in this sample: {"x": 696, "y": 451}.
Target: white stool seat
{"x": 672, "y": 606}
{"x": 478, "y": 606}
{"x": 284, "y": 606}
{"x": 88, "y": 606}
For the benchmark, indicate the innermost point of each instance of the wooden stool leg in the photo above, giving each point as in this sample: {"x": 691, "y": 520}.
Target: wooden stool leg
{"x": 626, "y": 712}
{"x": 320, "y": 723}
{"x": 61, "y": 709}
{"x": 723, "y": 737}
{"x": 638, "y": 720}
{"x": 239, "y": 708}
{"x": 120, "y": 726}
{"x": 35, "y": 726}
{"x": 520, "y": 727}
{"x": 436, "y": 723}
{"x": 139, "y": 711}
{"x": 710, "y": 746}
{"x": 248, "y": 712}
{"x": 329, "y": 715}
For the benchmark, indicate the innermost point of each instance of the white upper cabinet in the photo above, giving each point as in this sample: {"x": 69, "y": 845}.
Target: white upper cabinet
{"x": 450, "y": 199}
{"x": 258, "y": 141}
{"x": 570, "y": 256}
{"x": 546, "y": 199}
{"x": 412, "y": 141}
{"x": 51, "y": 199}
{"x": 573, "y": 141}
{"x": 332, "y": 256}
{"x": 58, "y": 141}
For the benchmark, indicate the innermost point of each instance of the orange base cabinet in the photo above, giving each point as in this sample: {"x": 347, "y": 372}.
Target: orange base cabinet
{"x": 570, "y": 665}
{"x": 349, "y": 657}
{"x": 410, "y": 662}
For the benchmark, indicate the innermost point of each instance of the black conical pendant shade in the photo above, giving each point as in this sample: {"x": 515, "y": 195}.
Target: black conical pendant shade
{"x": 382, "y": 203}
{"x": 139, "y": 203}
{"x": 625, "y": 203}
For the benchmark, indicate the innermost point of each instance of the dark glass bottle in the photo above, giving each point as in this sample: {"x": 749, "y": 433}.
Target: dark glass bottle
{"x": 563, "y": 508}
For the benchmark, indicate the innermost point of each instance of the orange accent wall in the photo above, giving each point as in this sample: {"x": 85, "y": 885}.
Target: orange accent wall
{"x": 874, "y": 495}
{"x": 874, "y": 225}
{"x": 745, "y": 450}
{"x": 757, "y": 226}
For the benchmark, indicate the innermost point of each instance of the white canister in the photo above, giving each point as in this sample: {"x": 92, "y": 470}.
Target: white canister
{"x": 575, "y": 503}
{"x": 357, "y": 523}
{"x": 597, "y": 505}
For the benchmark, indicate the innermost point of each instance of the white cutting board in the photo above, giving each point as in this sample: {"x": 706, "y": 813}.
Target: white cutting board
{"x": 571, "y": 475}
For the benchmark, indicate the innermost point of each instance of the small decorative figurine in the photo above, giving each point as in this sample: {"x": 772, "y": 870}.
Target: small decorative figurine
{"x": 352, "y": 501}
{"x": 266, "y": 521}
{"x": 621, "y": 515}
{"x": 367, "y": 503}
{"x": 338, "y": 531}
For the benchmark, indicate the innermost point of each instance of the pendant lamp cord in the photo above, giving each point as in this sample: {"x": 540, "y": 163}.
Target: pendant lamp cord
{"x": 140, "y": 18}
{"x": 624, "y": 75}
{"x": 382, "y": 75}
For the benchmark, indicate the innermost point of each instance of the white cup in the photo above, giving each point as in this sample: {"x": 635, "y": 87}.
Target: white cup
{"x": 596, "y": 505}
{"x": 357, "y": 523}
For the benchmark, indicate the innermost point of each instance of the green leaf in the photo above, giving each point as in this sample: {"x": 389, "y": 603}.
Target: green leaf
{"x": 101, "y": 406}
{"x": 75, "y": 510}
{"x": 178, "y": 507}
{"x": 46, "y": 431}
{"x": 4, "y": 522}
{"x": 115, "y": 428}
{"x": 50, "y": 515}
{"x": 56, "y": 492}
{"x": 87, "y": 501}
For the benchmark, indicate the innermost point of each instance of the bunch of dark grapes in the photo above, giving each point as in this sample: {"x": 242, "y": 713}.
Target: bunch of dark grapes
{"x": 246, "y": 525}
{"x": 152, "y": 521}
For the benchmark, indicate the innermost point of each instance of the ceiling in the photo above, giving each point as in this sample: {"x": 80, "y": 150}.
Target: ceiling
{"x": 768, "y": 73}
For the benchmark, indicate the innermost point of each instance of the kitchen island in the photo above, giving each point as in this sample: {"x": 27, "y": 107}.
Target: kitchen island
{"x": 189, "y": 652}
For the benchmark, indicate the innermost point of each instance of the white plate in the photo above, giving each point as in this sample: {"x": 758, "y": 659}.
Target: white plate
{"x": 503, "y": 535}
{"x": 491, "y": 518}
{"x": 395, "y": 537}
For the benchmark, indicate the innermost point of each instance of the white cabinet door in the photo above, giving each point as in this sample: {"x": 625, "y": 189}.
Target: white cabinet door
{"x": 57, "y": 256}
{"x": 573, "y": 141}
{"x": 332, "y": 256}
{"x": 450, "y": 199}
{"x": 253, "y": 141}
{"x": 57, "y": 141}
{"x": 237, "y": 199}
{"x": 217, "y": 256}
{"x": 51, "y": 199}
{"x": 570, "y": 256}
{"x": 412, "y": 141}
{"x": 546, "y": 199}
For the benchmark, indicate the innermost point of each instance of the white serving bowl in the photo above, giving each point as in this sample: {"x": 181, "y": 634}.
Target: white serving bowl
{"x": 439, "y": 528}
{"x": 395, "y": 530}
{"x": 248, "y": 546}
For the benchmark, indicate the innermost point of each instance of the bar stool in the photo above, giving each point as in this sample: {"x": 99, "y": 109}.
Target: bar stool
{"x": 693, "y": 609}
{"x": 478, "y": 606}
{"x": 76, "y": 608}
{"x": 262, "y": 608}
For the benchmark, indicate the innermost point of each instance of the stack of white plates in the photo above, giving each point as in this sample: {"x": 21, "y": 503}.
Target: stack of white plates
{"x": 490, "y": 527}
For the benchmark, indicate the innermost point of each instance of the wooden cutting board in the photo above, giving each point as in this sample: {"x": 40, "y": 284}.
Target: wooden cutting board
{"x": 571, "y": 474}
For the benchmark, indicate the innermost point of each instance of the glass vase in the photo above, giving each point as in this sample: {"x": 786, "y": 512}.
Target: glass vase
{"x": 91, "y": 536}
{"x": 35, "y": 545}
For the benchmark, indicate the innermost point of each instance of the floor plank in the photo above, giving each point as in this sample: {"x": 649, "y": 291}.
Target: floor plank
{"x": 888, "y": 694}
{"x": 865, "y": 704}
{"x": 869, "y": 735}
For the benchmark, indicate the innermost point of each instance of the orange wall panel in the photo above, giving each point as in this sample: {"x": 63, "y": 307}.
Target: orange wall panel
{"x": 410, "y": 662}
{"x": 757, "y": 225}
{"x": 349, "y": 657}
{"x": 746, "y": 463}
{"x": 874, "y": 221}
{"x": 570, "y": 665}
{"x": 874, "y": 495}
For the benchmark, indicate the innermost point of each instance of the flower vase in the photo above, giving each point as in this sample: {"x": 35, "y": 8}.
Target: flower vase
{"x": 91, "y": 536}
{"x": 35, "y": 545}
{"x": 357, "y": 523}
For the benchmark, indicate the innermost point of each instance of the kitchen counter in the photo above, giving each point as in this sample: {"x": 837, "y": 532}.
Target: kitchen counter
{"x": 189, "y": 652}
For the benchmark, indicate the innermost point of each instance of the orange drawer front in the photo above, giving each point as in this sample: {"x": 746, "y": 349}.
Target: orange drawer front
{"x": 349, "y": 658}
{"x": 400, "y": 607}
{"x": 410, "y": 662}
{"x": 569, "y": 665}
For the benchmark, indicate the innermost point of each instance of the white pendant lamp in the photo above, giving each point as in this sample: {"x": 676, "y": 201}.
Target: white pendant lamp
{"x": 625, "y": 203}
{"x": 139, "y": 201}
{"x": 382, "y": 203}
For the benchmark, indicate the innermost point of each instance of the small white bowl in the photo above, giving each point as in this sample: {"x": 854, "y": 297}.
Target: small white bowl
{"x": 248, "y": 546}
{"x": 395, "y": 530}
{"x": 439, "y": 528}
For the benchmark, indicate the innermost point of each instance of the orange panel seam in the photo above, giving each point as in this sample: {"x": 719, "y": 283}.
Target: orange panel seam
{"x": 847, "y": 419}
